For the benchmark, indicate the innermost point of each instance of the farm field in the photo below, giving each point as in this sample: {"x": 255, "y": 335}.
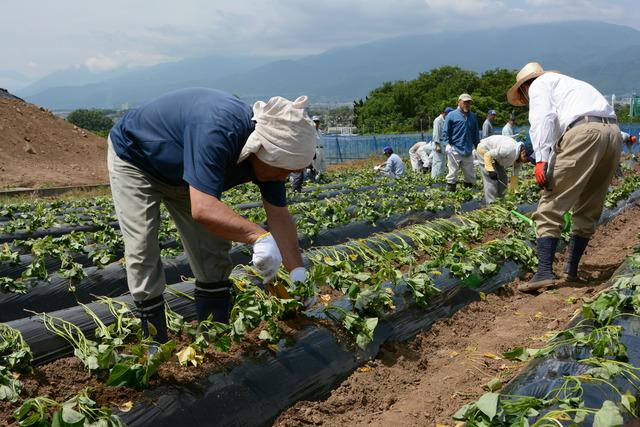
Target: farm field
{"x": 415, "y": 305}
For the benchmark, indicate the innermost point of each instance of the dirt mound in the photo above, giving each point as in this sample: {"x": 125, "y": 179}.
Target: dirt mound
{"x": 424, "y": 381}
{"x": 38, "y": 149}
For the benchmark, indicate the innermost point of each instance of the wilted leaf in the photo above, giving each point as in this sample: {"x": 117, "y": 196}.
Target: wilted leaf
{"x": 189, "y": 355}
{"x": 126, "y": 406}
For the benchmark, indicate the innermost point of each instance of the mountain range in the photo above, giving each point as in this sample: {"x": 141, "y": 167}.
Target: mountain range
{"x": 606, "y": 55}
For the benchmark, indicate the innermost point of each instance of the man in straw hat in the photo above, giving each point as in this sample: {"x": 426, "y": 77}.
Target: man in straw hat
{"x": 461, "y": 135}
{"x": 576, "y": 142}
{"x": 185, "y": 149}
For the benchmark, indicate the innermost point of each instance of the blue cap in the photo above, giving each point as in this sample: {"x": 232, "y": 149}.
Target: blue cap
{"x": 387, "y": 149}
{"x": 448, "y": 110}
{"x": 491, "y": 113}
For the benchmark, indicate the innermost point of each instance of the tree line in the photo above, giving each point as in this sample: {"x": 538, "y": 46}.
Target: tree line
{"x": 412, "y": 105}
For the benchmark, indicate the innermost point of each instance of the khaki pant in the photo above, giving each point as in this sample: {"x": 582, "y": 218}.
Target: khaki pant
{"x": 586, "y": 159}
{"x": 137, "y": 197}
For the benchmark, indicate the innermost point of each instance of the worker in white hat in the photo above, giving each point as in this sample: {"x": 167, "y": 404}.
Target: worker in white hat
{"x": 461, "y": 136}
{"x": 420, "y": 156}
{"x": 576, "y": 142}
{"x": 184, "y": 149}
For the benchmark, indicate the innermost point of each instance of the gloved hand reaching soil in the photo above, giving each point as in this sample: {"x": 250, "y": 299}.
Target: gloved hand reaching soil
{"x": 266, "y": 257}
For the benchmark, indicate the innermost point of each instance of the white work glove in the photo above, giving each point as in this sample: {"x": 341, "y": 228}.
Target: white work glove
{"x": 298, "y": 274}
{"x": 266, "y": 257}
{"x": 376, "y": 168}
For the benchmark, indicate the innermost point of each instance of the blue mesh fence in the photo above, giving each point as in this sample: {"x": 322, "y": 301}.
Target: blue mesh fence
{"x": 340, "y": 148}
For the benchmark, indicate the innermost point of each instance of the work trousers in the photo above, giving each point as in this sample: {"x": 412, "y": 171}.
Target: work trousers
{"x": 585, "y": 162}
{"x": 137, "y": 197}
{"x": 296, "y": 179}
{"x": 494, "y": 188}
{"x": 456, "y": 162}
{"x": 438, "y": 163}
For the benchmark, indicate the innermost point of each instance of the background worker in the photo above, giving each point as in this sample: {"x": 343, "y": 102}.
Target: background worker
{"x": 460, "y": 134}
{"x": 393, "y": 167}
{"x": 319, "y": 164}
{"x": 487, "y": 126}
{"x": 628, "y": 141}
{"x": 438, "y": 160}
{"x": 497, "y": 153}
{"x": 184, "y": 149}
{"x": 507, "y": 130}
{"x": 420, "y": 156}
{"x": 576, "y": 141}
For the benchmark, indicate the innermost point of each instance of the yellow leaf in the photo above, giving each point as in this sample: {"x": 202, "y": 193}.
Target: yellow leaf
{"x": 327, "y": 259}
{"x": 364, "y": 369}
{"x": 562, "y": 416}
{"x": 189, "y": 355}
{"x": 126, "y": 407}
{"x": 492, "y": 356}
{"x": 483, "y": 296}
{"x": 538, "y": 315}
{"x": 353, "y": 257}
{"x": 273, "y": 347}
{"x": 453, "y": 353}
{"x": 441, "y": 425}
{"x": 470, "y": 349}
{"x": 436, "y": 273}
{"x": 326, "y": 298}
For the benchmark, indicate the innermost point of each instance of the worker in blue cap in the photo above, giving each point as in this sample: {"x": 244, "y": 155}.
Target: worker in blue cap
{"x": 487, "y": 126}
{"x": 438, "y": 160}
{"x": 393, "y": 167}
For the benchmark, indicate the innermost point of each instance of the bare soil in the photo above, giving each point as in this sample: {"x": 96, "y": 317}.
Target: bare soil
{"x": 39, "y": 149}
{"x": 426, "y": 380}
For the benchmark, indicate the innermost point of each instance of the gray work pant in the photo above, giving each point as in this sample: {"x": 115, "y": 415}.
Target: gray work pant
{"x": 456, "y": 162}
{"x": 494, "y": 188}
{"x": 137, "y": 197}
{"x": 586, "y": 159}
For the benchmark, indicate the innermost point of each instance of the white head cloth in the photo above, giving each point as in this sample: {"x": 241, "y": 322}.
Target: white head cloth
{"x": 284, "y": 136}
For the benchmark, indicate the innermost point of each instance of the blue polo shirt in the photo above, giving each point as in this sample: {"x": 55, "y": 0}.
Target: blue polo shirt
{"x": 192, "y": 137}
{"x": 461, "y": 131}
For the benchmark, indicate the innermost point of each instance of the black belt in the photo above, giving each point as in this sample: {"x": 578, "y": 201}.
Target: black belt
{"x": 592, "y": 119}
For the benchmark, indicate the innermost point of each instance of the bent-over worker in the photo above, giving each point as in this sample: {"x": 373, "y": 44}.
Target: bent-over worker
{"x": 184, "y": 149}
{"x": 496, "y": 153}
{"x": 420, "y": 155}
{"x": 576, "y": 141}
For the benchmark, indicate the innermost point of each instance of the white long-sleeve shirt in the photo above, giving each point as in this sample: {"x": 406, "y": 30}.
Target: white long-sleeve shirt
{"x": 556, "y": 101}
{"x": 438, "y": 125}
{"x": 507, "y": 130}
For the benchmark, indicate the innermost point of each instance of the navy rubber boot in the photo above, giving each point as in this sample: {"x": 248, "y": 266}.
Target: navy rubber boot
{"x": 451, "y": 187}
{"x": 153, "y": 318}
{"x": 577, "y": 245}
{"x": 546, "y": 251}
{"x": 213, "y": 299}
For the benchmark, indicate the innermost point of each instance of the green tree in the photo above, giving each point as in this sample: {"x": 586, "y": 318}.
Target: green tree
{"x": 94, "y": 120}
{"x": 406, "y": 106}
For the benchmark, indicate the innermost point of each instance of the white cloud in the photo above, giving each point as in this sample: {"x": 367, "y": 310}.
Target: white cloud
{"x": 100, "y": 63}
{"x": 125, "y": 58}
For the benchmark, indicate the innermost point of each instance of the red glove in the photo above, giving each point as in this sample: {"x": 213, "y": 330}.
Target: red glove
{"x": 541, "y": 176}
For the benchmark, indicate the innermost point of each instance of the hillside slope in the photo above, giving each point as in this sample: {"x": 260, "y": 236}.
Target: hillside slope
{"x": 38, "y": 149}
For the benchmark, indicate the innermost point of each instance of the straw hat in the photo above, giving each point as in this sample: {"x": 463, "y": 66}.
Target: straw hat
{"x": 528, "y": 72}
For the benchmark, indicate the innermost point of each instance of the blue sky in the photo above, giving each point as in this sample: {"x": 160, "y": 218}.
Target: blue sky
{"x": 41, "y": 36}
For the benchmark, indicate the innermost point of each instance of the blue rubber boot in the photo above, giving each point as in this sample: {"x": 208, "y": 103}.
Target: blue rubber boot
{"x": 546, "y": 251}
{"x": 213, "y": 299}
{"x": 577, "y": 245}
{"x": 154, "y": 321}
